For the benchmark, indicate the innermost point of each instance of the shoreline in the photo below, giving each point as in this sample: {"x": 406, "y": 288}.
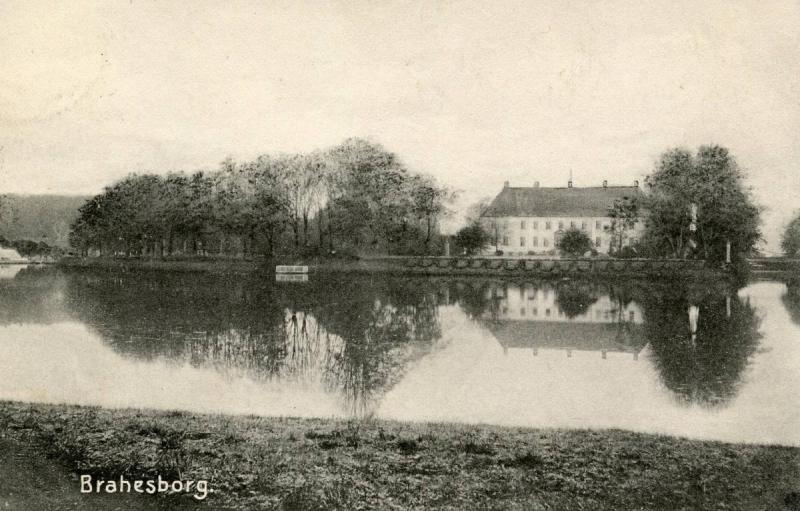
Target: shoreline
{"x": 428, "y": 265}
{"x": 292, "y": 463}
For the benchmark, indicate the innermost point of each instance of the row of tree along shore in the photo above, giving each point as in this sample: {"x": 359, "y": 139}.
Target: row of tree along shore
{"x": 355, "y": 197}
{"x": 359, "y": 199}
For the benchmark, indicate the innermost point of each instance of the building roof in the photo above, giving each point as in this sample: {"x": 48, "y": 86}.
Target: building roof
{"x": 568, "y": 335}
{"x": 592, "y": 201}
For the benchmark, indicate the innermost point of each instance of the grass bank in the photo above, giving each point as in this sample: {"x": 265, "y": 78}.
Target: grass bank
{"x": 309, "y": 464}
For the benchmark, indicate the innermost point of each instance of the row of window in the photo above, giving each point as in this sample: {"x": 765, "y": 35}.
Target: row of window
{"x": 545, "y": 241}
{"x": 607, "y": 314}
{"x": 548, "y": 225}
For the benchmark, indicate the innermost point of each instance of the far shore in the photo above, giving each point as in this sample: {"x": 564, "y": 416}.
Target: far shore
{"x": 521, "y": 266}
{"x": 290, "y": 463}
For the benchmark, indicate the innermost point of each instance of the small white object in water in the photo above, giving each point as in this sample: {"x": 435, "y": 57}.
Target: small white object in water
{"x": 291, "y": 269}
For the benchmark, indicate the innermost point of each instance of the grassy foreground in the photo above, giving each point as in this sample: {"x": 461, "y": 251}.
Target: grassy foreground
{"x": 308, "y": 464}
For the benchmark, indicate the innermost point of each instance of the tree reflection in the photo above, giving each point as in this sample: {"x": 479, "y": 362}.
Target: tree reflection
{"x": 356, "y": 342}
{"x": 791, "y": 300}
{"x": 575, "y": 297}
{"x": 32, "y": 295}
{"x": 705, "y": 368}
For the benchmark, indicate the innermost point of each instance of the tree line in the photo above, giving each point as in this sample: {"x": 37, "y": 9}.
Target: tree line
{"x": 354, "y": 197}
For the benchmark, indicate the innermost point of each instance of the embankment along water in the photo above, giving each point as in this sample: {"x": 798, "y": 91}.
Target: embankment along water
{"x": 427, "y": 265}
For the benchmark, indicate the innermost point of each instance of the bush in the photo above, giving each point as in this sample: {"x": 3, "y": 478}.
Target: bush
{"x": 472, "y": 238}
{"x": 627, "y": 252}
{"x": 575, "y": 242}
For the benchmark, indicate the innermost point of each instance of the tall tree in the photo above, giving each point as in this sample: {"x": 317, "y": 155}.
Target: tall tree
{"x": 712, "y": 182}
{"x": 624, "y": 214}
{"x": 790, "y": 242}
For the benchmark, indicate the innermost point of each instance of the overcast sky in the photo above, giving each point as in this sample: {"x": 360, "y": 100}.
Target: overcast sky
{"x": 474, "y": 93}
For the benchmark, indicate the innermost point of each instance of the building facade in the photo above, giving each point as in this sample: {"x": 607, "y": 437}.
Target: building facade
{"x": 531, "y": 220}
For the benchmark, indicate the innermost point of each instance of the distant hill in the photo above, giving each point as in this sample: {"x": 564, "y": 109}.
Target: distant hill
{"x": 39, "y": 217}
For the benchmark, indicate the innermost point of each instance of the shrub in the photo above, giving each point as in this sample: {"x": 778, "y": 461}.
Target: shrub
{"x": 472, "y": 238}
{"x": 626, "y": 253}
{"x": 575, "y": 242}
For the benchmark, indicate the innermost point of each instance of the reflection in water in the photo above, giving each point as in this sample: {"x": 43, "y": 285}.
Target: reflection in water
{"x": 355, "y": 347}
{"x": 791, "y": 299}
{"x": 701, "y": 360}
{"x": 9, "y": 271}
{"x": 568, "y": 316}
{"x": 668, "y": 358}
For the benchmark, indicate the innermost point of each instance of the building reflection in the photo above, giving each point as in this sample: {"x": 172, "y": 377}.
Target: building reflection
{"x": 568, "y": 316}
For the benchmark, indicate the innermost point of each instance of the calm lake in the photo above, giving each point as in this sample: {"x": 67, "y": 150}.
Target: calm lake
{"x": 704, "y": 361}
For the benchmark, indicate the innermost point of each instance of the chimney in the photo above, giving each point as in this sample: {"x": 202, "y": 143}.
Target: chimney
{"x": 569, "y": 183}
{"x": 536, "y": 184}
{"x": 605, "y": 183}
{"x": 636, "y": 183}
{"x": 505, "y": 185}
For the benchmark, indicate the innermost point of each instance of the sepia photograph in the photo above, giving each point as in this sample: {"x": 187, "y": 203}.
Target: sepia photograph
{"x": 398, "y": 255}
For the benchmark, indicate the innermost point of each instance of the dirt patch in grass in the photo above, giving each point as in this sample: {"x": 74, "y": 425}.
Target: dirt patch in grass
{"x": 277, "y": 463}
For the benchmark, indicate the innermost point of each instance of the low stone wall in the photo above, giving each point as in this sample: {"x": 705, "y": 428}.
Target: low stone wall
{"x": 493, "y": 266}
{"x": 542, "y": 267}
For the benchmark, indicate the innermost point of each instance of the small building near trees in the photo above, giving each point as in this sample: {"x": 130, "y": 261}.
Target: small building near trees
{"x": 531, "y": 220}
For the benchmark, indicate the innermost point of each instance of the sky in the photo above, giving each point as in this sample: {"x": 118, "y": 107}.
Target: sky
{"x": 473, "y": 93}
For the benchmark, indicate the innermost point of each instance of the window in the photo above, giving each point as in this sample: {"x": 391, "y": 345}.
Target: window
{"x": 535, "y": 311}
{"x": 545, "y": 242}
{"x": 547, "y": 312}
{"x": 547, "y": 225}
{"x": 522, "y": 224}
{"x": 597, "y": 224}
{"x": 522, "y": 311}
{"x": 597, "y": 241}
{"x": 535, "y": 241}
{"x": 505, "y": 240}
{"x": 583, "y": 225}
{"x": 572, "y": 224}
{"x": 522, "y": 241}
{"x": 560, "y": 225}
{"x": 631, "y": 315}
{"x": 535, "y": 225}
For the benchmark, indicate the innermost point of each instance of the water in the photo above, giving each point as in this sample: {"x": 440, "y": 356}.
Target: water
{"x": 703, "y": 361}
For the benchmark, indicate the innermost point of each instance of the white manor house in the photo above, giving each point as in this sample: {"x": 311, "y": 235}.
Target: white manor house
{"x": 531, "y": 220}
